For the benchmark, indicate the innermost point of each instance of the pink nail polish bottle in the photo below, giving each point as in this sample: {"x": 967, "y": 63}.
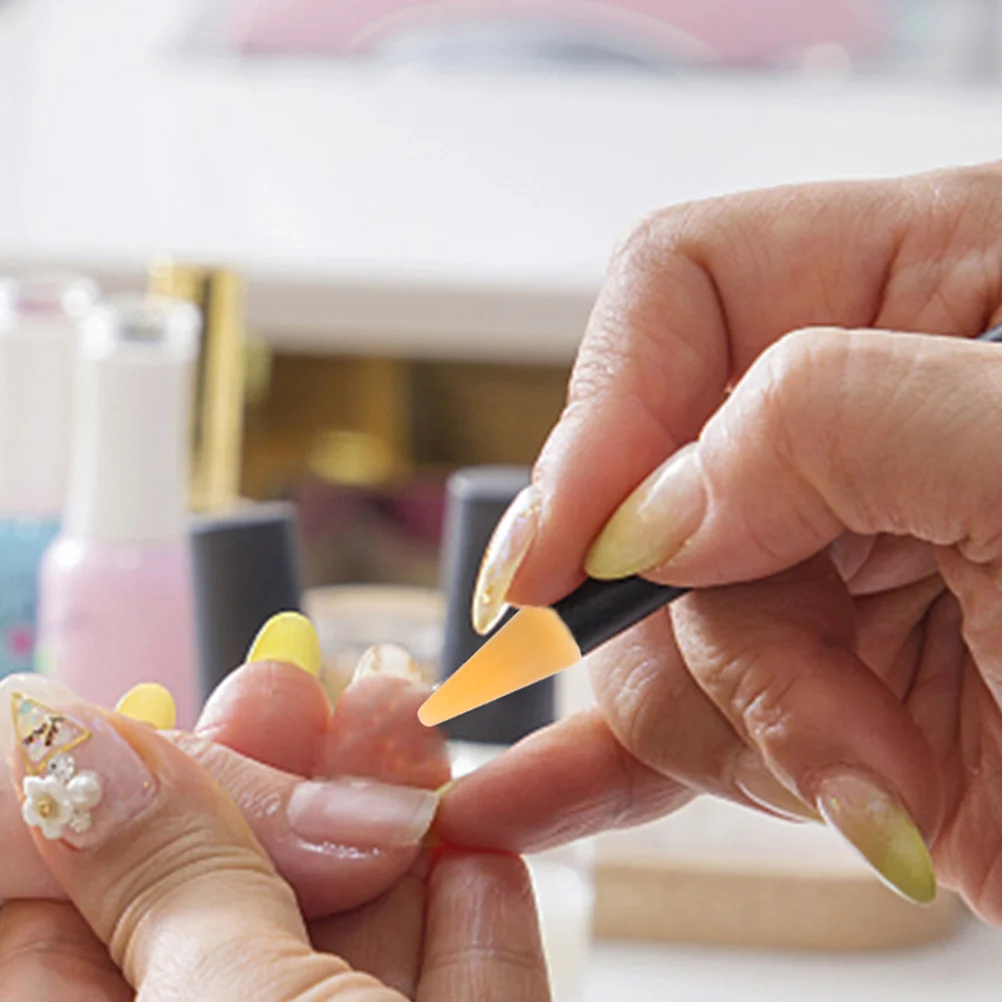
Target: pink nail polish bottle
{"x": 116, "y": 603}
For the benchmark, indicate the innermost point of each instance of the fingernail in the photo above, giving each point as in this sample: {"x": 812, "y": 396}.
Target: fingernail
{"x": 361, "y": 813}
{"x": 760, "y": 786}
{"x": 78, "y": 779}
{"x": 149, "y": 703}
{"x": 431, "y": 840}
{"x": 877, "y": 826}
{"x": 654, "y": 522}
{"x": 291, "y": 638}
{"x": 387, "y": 660}
{"x": 504, "y": 555}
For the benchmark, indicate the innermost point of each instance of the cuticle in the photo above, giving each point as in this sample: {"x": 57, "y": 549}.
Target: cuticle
{"x": 817, "y": 777}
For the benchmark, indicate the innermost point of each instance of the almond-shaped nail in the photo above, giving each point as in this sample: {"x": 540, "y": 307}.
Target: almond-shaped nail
{"x": 654, "y": 522}
{"x": 877, "y": 825}
{"x": 291, "y": 638}
{"x": 761, "y": 787}
{"x": 361, "y": 813}
{"x": 78, "y": 779}
{"x": 504, "y": 555}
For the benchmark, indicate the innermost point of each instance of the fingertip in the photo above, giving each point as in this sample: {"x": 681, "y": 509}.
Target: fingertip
{"x": 272, "y": 712}
{"x": 375, "y": 732}
{"x": 566, "y": 781}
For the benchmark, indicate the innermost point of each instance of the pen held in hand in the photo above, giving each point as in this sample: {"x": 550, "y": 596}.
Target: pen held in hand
{"x": 541, "y": 641}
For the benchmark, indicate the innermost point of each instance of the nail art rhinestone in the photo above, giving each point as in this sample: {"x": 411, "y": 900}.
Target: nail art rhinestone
{"x": 80, "y": 823}
{"x": 62, "y": 767}
{"x": 56, "y": 795}
{"x": 43, "y": 733}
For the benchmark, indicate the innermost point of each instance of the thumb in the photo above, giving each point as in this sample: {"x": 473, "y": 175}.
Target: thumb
{"x": 829, "y": 430}
{"x": 158, "y": 860}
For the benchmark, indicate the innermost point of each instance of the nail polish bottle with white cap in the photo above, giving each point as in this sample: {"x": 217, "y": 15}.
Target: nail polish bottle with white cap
{"x": 116, "y": 601}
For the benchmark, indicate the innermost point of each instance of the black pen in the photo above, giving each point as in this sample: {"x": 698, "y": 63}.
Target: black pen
{"x": 538, "y": 642}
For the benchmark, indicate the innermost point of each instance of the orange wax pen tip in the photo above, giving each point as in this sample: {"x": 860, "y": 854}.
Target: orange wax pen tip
{"x": 534, "y": 645}
{"x": 426, "y": 714}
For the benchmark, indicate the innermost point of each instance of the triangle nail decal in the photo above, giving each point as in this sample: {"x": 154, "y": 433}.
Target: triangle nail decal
{"x": 42, "y": 732}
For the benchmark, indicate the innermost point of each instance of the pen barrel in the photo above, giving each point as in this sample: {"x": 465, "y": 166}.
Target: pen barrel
{"x": 598, "y": 610}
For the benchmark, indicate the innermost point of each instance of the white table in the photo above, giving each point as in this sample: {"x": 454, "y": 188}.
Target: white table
{"x": 968, "y": 968}
{"x": 433, "y": 213}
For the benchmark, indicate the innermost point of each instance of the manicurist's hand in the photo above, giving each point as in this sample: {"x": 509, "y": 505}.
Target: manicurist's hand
{"x": 758, "y": 399}
{"x": 171, "y": 895}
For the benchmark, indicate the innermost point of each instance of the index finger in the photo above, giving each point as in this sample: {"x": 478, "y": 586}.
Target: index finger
{"x": 699, "y": 291}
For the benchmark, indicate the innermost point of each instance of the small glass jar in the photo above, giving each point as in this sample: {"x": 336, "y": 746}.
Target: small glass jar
{"x": 351, "y": 619}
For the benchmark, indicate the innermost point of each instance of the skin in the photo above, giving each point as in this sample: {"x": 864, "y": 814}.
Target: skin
{"x": 432, "y": 925}
{"x": 846, "y": 478}
{"x": 264, "y": 728}
{"x": 850, "y": 473}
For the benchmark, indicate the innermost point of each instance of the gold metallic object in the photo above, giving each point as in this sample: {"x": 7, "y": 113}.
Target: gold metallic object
{"x": 369, "y": 446}
{"x": 351, "y": 458}
{"x": 217, "y": 430}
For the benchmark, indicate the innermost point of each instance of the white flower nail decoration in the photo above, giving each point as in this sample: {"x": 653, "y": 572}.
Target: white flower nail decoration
{"x": 47, "y": 805}
{"x": 61, "y": 799}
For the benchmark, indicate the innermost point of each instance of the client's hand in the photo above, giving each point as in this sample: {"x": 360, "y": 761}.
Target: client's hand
{"x": 267, "y": 726}
{"x": 169, "y": 885}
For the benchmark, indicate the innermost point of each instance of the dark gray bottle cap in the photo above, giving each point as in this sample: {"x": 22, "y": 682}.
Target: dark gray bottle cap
{"x": 476, "y": 499}
{"x": 246, "y": 570}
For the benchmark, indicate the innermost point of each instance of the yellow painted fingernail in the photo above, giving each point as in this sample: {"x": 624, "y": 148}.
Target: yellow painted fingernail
{"x": 291, "y": 638}
{"x": 504, "y": 555}
{"x": 882, "y": 831}
{"x": 654, "y": 522}
{"x": 151, "y": 704}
